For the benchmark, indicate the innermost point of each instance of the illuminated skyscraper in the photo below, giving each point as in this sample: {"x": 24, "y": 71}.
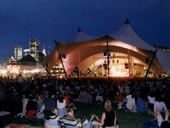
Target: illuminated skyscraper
{"x": 34, "y": 49}
{"x": 18, "y": 52}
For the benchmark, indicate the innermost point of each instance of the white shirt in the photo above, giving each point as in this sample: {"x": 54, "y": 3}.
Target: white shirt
{"x": 130, "y": 102}
{"x": 61, "y": 105}
{"x": 161, "y": 106}
{"x": 151, "y": 99}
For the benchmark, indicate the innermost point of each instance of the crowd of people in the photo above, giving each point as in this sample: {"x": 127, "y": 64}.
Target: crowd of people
{"x": 53, "y": 100}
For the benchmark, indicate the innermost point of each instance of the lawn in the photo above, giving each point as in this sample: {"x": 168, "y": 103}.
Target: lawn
{"x": 126, "y": 119}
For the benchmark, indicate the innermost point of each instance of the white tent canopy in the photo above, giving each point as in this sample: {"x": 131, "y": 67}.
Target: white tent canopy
{"x": 82, "y": 36}
{"x": 127, "y": 35}
{"x": 163, "y": 58}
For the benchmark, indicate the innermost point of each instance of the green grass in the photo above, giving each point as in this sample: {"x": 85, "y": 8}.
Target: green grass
{"x": 126, "y": 119}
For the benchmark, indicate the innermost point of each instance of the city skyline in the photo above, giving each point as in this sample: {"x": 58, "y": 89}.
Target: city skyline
{"x": 21, "y": 21}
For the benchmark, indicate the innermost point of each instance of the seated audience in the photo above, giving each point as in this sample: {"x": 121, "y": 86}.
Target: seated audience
{"x": 158, "y": 121}
{"x": 69, "y": 120}
{"x": 108, "y": 118}
{"x": 159, "y": 105}
{"x": 140, "y": 105}
{"x": 130, "y": 103}
{"x": 99, "y": 98}
{"x": 94, "y": 122}
{"x": 119, "y": 98}
{"x": 24, "y": 104}
{"x": 85, "y": 97}
{"x": 31, "y": 108}
{"x": 166, "y": 122}
{"x": 61, "y": 106}
{"x": 52, "y": 119}
{"x": 40, "y": 101}
{"x": 151, "y": 101}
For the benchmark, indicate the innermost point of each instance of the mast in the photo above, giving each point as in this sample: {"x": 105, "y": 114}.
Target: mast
{"x": 61, "y": 56}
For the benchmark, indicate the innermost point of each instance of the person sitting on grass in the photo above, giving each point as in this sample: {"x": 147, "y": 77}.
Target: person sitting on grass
{"x": 61, "y": 105}
{"x": 119, "y": 98}
{"x": 140, "y": 104}
{"x": 69, "y": 120}
{"x": 31, "y": 108}
{"x": 48, "y": 105}
{"x": 108, "y": 118}
{"x": 52, "y": 119}
{"x": 159, "y": 107}
{"x": 40, "y": 101}
{"x": 94, "y": 122}
{"x": 24, "y": 104}
{"x": 158, "y": 121}
{"x": 130, "y": 103}
{"x": 99, "y": 98}
{"x": 150, "y": 103}
{"x": 166, "y": 122}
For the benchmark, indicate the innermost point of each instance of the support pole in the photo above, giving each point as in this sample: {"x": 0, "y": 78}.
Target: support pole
{"x": 150, "y": 63}
{"x": 61, "y": 58}
{"x": 108, "y": 56}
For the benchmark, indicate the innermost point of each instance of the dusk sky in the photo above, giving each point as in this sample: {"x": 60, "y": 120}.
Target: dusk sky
{"x": 49, "y": 20}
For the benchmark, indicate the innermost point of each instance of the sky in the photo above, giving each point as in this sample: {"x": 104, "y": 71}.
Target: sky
{"x": 49, "y": 20}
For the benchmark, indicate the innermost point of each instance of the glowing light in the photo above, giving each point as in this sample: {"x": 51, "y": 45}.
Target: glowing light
{"x": 3, "y": 71}
{"x": 13, "y": 69}
{"x": 119, "y": 71}
{"x": 61, "y": 76}
{"x": 35, "y": 71}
